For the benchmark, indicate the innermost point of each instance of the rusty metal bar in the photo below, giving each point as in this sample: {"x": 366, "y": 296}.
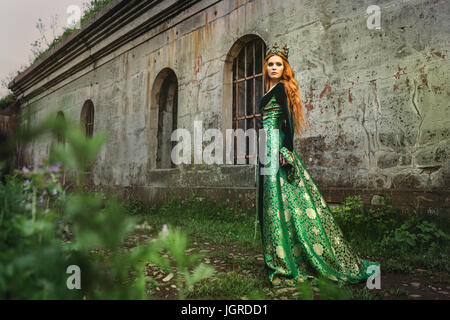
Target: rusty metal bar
{"x": 237, "y": 88}
{"x": 248, "y": 78}
{"x": 254, "y": 84}
{"x": 245, "y": 85}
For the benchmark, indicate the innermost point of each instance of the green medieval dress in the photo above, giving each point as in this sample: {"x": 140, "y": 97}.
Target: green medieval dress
{"x": 300, "y": 238}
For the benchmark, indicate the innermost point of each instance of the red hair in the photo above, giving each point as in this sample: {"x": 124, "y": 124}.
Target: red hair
{"x": 292, "y": 92}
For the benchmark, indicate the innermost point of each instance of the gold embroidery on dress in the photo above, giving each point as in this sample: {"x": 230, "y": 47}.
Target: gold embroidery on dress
{"x": 311, "y": 213}
{"x": 306, "y": 196}
{"x": 280, "y": 252}
{"x": 287, "y": 215}
{"x": 318, "y": 248}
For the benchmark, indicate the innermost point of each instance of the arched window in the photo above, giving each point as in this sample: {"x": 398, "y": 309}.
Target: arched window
{"x": 247, "y": 56}
{"x": 165, "y": 111}
{"x": 87, "y": 118}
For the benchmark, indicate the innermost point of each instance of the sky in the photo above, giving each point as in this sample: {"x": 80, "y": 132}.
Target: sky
{"x": 18, "y": 19}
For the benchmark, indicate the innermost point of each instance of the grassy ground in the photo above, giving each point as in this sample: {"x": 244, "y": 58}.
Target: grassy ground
{"x": 227, "y": 240}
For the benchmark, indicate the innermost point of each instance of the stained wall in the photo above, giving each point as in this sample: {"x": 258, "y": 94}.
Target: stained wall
{"x": 377, "y": 100}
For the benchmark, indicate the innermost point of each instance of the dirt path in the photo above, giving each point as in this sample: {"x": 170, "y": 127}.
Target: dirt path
{"x": 421, "y": 285}
{"x": 418, "y": 286}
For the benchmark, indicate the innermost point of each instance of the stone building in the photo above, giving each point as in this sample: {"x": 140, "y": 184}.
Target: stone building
{"x": 375, "y": 92}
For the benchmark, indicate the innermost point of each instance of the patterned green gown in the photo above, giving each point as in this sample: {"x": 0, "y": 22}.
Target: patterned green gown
{"x": 300, "y": 237}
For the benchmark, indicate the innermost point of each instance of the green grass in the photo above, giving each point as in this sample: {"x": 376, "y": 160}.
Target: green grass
{"x": 402, "y": 242}
{"x": 204, "y": 221}
{"x": 398, "y": 292}
{"x": 380, "y": 234}
{"x": 229, "y": 286}
{"x": 219, "y": 254}
{"x": 361, "y": 294}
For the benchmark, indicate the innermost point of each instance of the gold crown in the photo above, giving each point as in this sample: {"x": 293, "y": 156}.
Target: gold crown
{"x": 276, "y": 50}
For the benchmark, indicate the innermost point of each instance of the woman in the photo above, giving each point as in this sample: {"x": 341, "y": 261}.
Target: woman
{"x": 300, "y": 237}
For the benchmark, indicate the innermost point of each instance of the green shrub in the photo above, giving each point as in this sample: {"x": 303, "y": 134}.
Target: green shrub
{"x": 7, "y": 100}
{"x": 414, "y": 233}
{"x": 405, "y": 242}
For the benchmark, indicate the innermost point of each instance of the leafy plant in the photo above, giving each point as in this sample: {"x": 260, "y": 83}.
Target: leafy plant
{"x": 92, "y": 7}
{"x": 7, "y": 100}
{"x": 177, "y": 262}
{"x": 414, "y": 232}
{"x": 323, "y": 288}
{"x": 383, "y": 232}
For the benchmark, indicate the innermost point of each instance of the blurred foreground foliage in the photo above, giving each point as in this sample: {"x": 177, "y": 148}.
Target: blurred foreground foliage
{"x": 45, "y": 229}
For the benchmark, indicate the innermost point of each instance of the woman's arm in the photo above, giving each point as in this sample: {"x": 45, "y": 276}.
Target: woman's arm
{"x": 287, "y": 125}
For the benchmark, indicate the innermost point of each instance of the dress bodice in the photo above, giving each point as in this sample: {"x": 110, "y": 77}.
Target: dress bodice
{"x": 272, "y": 114}
{"x": 275, "y": 113}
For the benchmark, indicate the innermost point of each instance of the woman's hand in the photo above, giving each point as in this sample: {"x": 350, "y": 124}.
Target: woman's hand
{"x": 283, "y": 161}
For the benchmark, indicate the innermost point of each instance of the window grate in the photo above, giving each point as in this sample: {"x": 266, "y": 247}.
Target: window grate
{"x": 248, "y": 88}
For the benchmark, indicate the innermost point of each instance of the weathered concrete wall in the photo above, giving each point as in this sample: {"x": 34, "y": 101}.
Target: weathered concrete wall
{"x": 377, "y": 100}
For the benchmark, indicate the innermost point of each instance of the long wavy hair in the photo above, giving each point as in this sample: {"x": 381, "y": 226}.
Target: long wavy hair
{"x": 292, "y": 92}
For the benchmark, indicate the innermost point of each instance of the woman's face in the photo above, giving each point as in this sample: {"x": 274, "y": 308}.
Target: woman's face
{"x": 275, "y": 68}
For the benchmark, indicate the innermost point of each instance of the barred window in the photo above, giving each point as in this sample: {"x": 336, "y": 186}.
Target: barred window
{"x": 87, "y": 118}
{"x": 248, "y": 88}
